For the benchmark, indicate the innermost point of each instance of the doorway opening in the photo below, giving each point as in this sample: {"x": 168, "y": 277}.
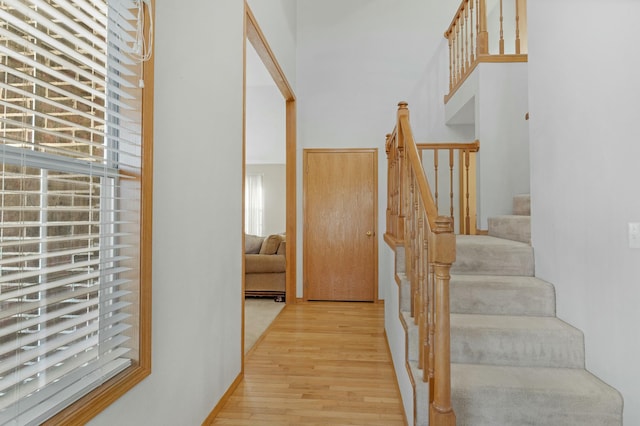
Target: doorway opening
{"x": 257, "y": 49}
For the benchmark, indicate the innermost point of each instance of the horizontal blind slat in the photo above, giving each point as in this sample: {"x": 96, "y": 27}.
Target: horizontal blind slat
{"x": 68, "y": 388}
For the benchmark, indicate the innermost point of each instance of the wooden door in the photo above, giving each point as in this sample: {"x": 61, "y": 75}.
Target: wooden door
{"x": 340, "y": 216}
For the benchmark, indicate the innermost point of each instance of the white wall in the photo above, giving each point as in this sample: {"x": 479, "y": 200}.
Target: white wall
{"x": 274, "y": 182}
{"x": 503, "y": 160}
{"x": 585, "y": 145}
{"x": 278, "y": 21}
{"x": 494, "y": 99}
{"x": 356, "y": 61}
{"x": 197, "y": 216}
{"x": 265, "y": 125}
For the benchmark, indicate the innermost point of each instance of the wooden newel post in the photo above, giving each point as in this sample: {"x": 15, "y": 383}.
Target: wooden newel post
{"x": 443, "y": 247}
{"x": 483, "y": 34}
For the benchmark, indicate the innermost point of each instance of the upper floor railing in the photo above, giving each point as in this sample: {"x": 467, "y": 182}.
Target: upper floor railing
{"x": 430, "y": 249}
{"x": 485, "y": 31}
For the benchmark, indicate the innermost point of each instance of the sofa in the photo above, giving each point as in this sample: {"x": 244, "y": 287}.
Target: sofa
{"x": 265, "y": 266}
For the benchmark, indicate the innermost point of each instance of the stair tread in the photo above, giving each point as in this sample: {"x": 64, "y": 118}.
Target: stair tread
{"x": 511, "y": 322}
{"x": 515, "y": 281}
{"x": 488, "y": 241}
{"x": 574, "y": 381}
{"x": 521, "y": 217}
{"x": 498, "y": 278}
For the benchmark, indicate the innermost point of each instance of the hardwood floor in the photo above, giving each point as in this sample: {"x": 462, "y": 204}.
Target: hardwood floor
{"x": 320, "y": 363}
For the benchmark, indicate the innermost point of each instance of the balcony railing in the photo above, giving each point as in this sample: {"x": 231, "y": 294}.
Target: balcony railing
{"x": 485, "y": 31}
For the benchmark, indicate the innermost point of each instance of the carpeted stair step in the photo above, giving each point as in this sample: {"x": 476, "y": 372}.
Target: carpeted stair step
{"x": 515, "y": 341}
{"x": 485, "y": 255}
{"x": 412, "y": 336}
{"x": 511, "y": 227}
{"x": 522, "y": 204}
{"x": 421, "y": 394}
{"x": 405, "y": 291}
{"x": 484, "y": 395}
{"x": 501, "y": 295}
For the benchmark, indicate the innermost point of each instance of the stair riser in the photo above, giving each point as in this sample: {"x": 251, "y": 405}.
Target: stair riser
{"x": 481, "y": 260}
{"x": 405, "y": 293}
{"x": 521, "y": 348}
{"x": 412, "y": 337}
{"x": 481, "y": 413}
{"x": 514, "y": 228}
{"x": 508, "y": 396}
{"x": 492, "y": 296}
{"x": 522, "y": 205}
{"x": 421, "y": 395}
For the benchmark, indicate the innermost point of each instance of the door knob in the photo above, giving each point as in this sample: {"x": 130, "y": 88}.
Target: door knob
{"x": 369, "y": 233}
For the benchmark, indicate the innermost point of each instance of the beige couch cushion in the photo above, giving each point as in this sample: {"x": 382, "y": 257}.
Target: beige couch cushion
{"x": 256, "y": 263}
{"x": 270, "y": 244}
{"x": 252, "y": 244}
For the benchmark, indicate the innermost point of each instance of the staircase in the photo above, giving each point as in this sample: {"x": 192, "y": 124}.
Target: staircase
{"x": 513, "y": 361}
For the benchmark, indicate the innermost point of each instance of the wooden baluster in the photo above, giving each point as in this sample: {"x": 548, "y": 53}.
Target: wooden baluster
{"x": 415, "y": 250}
{"x": 435, "y": 167}
{"x": 442, "y": 250}
{"x": 501, "y": 31}
{"x": 474, "y": 33}
{"x": 408, "y": 243}
{"x": 388, "y": 148}
{"x": 466, "y": 37}
{"x": 462, "y": 63}
{"x": 449, "y": 37}
{"x": 477, "y": 2}
{"x": 483, "y": 35}
{"x": 421, "y": 284}
{"x": 517, "y": 27}
{"x": 467, "y": 217}
{"x": 403, "y": 110}
{"x": 428, "y": 354}
{"x": 451, "y": 183}
{"x": 459, "y": 68}
{"x": 396, "y": 192}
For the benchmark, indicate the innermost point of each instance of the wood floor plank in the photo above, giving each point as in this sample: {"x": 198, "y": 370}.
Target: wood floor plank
{"x": 320, "y": 363}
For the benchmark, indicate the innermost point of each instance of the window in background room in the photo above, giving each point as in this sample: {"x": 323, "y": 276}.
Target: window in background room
{"x": 71, "y": 160}
{"x": 254, "y": 204}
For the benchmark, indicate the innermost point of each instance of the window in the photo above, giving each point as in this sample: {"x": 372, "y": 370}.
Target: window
{"x": 254, "y": 204}
{"x": 74, "y": 204}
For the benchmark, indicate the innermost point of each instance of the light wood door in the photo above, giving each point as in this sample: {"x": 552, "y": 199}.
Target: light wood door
{"x": 340, "y": 216}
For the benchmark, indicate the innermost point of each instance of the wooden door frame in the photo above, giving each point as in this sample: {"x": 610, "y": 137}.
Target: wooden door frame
{"x": 256, "y": 37}
{"x": 307, "y": 151}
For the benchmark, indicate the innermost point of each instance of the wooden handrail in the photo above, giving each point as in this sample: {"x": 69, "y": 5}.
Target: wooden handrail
{"x": 469, "y": 33}
{"x": 429, "y": 243}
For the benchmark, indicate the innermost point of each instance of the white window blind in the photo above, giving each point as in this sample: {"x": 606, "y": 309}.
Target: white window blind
{"x": 70, "y": 148}
{"x": 254, "y": 204}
